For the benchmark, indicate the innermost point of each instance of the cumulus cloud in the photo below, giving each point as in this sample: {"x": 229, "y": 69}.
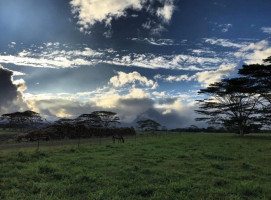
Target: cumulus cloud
{"x": 10, "y": 92}
{"x": 122, "y": 79}
{"x": 90, "y": 12}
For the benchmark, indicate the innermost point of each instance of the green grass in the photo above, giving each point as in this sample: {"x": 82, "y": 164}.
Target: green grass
{"x": 186, "y": 166}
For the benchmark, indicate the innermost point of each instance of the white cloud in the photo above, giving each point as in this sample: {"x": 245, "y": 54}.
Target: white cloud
{"x": 159, "y": 42}
{"x": 209, "y": 77}
{"x": 122, "y": 79}
{"x": 254, "y": 52}
{"x": 90, "y": 12}
{"x": 223, "y": 42}
{"x": 205, "y": 77}
{"x": 158, "y": 94}
{"x": 247, "y": 51}
{"x": 166, "y": 11}
{"x": 16, "y": 73}
{"x": 64, "y": 56}
{"x": 174, "y": 78}
{"x": 266, "y": 30}
{"x": 51, "y": 56}
{"x": 225, "y": 27}
{"x": 179, "y": 61}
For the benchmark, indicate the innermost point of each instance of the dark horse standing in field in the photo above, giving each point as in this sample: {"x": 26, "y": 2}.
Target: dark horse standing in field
{"x": 117, "y": 137}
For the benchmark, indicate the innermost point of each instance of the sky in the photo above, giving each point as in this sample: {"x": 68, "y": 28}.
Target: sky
{"x": 139, "y": 58}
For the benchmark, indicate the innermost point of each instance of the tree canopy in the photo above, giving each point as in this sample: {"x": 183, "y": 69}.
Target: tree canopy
{"x": 99, "y": 119}
{"x": 260, "y": 77}
{"x": 26, "y": 119}
{"x": 231, "y": 104}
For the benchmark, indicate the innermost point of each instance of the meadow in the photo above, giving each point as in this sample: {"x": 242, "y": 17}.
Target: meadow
{"x": 182, "y": 166}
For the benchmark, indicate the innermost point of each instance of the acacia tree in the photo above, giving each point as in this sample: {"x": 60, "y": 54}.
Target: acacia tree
{"x": 260, "y": 79}
{"x": 91, "y": 120}
{"x": 148, "y": 124}
{"x": 106, "y": 118}
{"x": 23, "y": 119}
{"x": 231, "y": 103}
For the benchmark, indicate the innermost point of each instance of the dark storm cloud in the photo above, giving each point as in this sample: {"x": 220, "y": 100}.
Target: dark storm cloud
{"x": 9, "y": 93}
{"x": 7, "y": 88}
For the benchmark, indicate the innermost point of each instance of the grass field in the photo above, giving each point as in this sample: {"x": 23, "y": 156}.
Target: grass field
{"x": 186, "y": 166}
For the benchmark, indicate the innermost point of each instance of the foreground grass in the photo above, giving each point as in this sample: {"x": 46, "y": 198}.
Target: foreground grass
{"x": 187, "y": 166}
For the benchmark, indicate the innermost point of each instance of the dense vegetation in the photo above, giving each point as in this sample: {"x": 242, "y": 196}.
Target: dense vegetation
{"x": 184, "y": 166}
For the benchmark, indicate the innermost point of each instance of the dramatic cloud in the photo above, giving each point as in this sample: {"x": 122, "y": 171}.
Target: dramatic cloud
{"x": 10, "y": 92}
{"x": 90, "y": 12}
{"x": 137, "y": 104}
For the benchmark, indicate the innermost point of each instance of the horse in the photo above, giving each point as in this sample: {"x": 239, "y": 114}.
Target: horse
{"x": 117, "y": 137}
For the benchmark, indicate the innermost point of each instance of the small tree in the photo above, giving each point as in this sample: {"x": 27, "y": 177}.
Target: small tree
{"x": 231, "y": 104}
{"x": 148, "y": 124}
